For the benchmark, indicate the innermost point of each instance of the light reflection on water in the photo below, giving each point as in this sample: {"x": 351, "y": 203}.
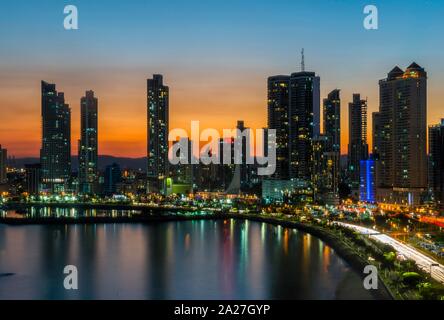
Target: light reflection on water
{"x": 56, "y": 212}
{"x": 223, "y": 259}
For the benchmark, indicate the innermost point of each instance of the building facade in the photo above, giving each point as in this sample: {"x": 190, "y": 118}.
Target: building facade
{"x": 294, "y": 112}
{"x": 278, "y": 113}
{"x": 332, "y": 130}
{"x": 304, "y": 121}
{"x": 332, "y": 120}
{"x": 33, "y": 178}
{"x": 88, "y": 144}
{"x": 367, "y": 187}
{"x": 113, "y": 176}
{"x": 157, "y": 135}
{"x": 55, "y": 153}
{"x": 325, "y": 175}
{"x": 436, "y": 162}
{"x": 357, "y": 146}
{"x": 402, "y": 154}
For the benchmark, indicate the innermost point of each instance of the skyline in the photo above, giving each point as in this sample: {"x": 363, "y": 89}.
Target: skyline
{"x": 209, "y": 81}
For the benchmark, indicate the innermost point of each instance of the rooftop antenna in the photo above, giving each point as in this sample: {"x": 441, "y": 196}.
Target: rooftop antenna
{"x": 302, "y": 61}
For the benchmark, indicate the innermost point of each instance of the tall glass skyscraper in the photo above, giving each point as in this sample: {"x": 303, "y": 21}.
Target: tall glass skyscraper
{"x": 55, "y": 154}
{"x": 278, "y": 113}
{"x": 332, "y": 120}
{"x": 436, "y": 162}
{"x": 357, "y": 146}
{"x": 304, "y": 122}
{"x": 332, "y": 130}
{"x": 88, "y": 143}
{"x": 294, "y": 112}
{"x": 157, "y": 135}
{"x": 402, "y": 167}
{"x": 113, "y": 176}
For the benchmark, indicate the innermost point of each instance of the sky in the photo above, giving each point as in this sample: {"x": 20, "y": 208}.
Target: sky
{"x": 215, "y": 56}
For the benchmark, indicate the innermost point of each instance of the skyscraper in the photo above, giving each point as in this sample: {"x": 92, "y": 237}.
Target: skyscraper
{"x": 402, "y": 168}
{"x": 55, "y": 154}
{"x": 88, "y": 144}
{"x": 367, "y": 188}
{"x": 332, "y": 120}
{"x": 376, "y": 133}
{"x": 304, "y": 122}
{"x": 3, "y": 158}
{"x": 182, "y": 173}
{"x": 376, "y": 138}
{"x": 243, "y": 145}
{"x": 113, "y": 176}
{"x": 157, "y": 135}
{"x": 325, "y": 172}
{"x": 278, "y": 113}
{"x": 436, "y": 162}
{"x": 33, "y": 178}
{"x": 357, "y": 147}
{"x": 332, "y": 130}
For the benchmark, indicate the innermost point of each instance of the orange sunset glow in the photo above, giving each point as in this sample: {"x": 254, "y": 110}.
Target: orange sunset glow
{"x": 216, "y": 101}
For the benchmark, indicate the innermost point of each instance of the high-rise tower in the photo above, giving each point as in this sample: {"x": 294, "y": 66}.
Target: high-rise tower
{"x": 332, "y": 120}
{"x": 278, "y": 113}
{"x": 158, "y": 129}
{"x": 436, "y": 162}
{"x": 357, "y": 147}
{"x": 304, "y": 122}
{"x": 88, "y": 144}
{"x": 402, "y": 167}
{"x": 55, "y": 154}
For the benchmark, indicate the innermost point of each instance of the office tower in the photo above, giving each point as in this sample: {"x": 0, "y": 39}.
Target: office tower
{"x": 402, "y": 167}
{"x": 113, "y": 176}
{"x": 33, "y": 178}
{"x": 376, "y": 138}
{"x": 227, "y": 169}
{"x": 3, "y": 159}
{"x": 278, "y": 113}
{"x": 304, "y": 121}
{"x": 55, "y": 154}
{"x": 332, "y": 130}
{"x": 88, "y": 144}
{"x": 376, "y": 133}
{"x": 367, "y": 187}
{"x": 158, "y": 122}
{"x": 436, "y": 162}
{"x": 243, "y": 141}
{"x": 182, "y": 173}
{"x": 325, "y": 172}
{"x": 332, "y": 120}
{"x": 319, "y": 171}
{"x": 357, "y": 146}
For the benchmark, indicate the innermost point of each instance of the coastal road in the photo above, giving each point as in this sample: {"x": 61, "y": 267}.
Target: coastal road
{"x": 424, "y": 262}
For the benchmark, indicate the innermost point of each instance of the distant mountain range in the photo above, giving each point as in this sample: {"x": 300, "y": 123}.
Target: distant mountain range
{"x": 125, "y": 163}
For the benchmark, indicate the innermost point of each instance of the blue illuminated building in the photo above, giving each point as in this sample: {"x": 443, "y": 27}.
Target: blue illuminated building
{"x": 367, "y": 187}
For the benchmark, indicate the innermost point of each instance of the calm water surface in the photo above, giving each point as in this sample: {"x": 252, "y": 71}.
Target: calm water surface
{"x": 173, "y": 260}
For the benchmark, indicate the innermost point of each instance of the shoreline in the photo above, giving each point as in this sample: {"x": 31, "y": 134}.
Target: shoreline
{"x": 356, "y": 262}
